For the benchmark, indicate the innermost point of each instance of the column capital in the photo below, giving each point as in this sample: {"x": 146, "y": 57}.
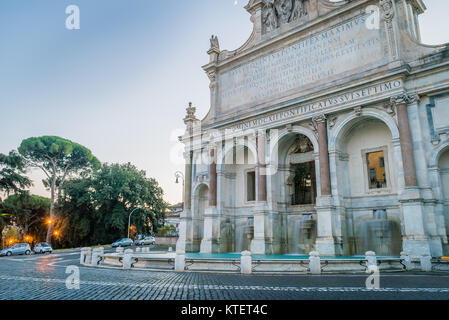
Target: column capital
{"x": 322, "y": 118}
{"x": 405, "y": 98}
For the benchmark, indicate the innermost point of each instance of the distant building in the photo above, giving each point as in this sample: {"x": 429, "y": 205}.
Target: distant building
{"x": 173, "y": 215}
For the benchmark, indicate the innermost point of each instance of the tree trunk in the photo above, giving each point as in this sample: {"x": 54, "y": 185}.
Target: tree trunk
{"x": 52, "y": 205}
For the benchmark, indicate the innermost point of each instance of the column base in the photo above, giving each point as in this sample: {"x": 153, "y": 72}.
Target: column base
{"x": 326, "y": 246}
{"x": 436, "y": 246}
{"x": 206, "y": 246}
{"x": 415, "y": 241}
{"x": 258, "y": 245}
{"x": 416, "y": 247}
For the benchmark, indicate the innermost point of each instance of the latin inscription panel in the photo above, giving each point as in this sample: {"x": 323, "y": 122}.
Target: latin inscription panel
{"x": 321, "y": 58}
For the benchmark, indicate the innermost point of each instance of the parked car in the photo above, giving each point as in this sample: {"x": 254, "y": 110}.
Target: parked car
{"x": 145, "y": 241}
{"x": 42, "y": 247}
{"x": 125, "y": 242}
{"x": 17, "y": 249}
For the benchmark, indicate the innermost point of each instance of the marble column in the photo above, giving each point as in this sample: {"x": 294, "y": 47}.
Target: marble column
{"x": 261, "y": 168}
{"x": 260, "y": 209}
{"x": 415, "y": 238}
{"x": 406, "y": 145}
{"x": 213, "y": 180}
{"x": 325, "y": 243}
{"x": 325, "y": 179}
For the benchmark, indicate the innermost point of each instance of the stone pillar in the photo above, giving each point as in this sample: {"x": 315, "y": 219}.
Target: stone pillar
{"x": 325, "y": 243}
{"x": 406, "y": 261}
{"x": 127, "y": 259}
{"x": 371, "y": 259}
{"x": 315, "y": 263}
{"x": 188, "y": 182}
{"x": 180, "y": 261}
{"x": 212, "y": 180}
{"x": 261, "y": 167}
{"x": 260, "y": 209}
{"x": 88, "y": 256}
{"x": 181, "y": 243}
{"x": 246, "y": 263}
{"x": 426, "y": 263}
{"x": 406, "y": 145}
{"x": 211, "y": 211}
{"x": 325, "y": 179}
{"x": 83, "y": 255}
{"x": 415, "y": 239}
{"x": 96, "y": 253}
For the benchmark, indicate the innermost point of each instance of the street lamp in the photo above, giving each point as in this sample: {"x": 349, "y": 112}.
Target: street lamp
{"x": 179, "y": 174}
{"x": 129, "y": 219}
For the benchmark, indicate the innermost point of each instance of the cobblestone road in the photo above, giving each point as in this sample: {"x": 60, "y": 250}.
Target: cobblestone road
{"x": 44, "y": 278}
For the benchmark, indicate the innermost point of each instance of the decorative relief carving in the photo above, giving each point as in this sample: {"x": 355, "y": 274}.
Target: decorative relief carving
{"x": 388, "y": 15}
{"x": 279, "y": 12}
{"x": 332, "y": 121}
{"x": 404, "y": 98}
{"x": 387, "y": 10}
{"x": 319, "y": 118}
{"x": 358, "y": 111}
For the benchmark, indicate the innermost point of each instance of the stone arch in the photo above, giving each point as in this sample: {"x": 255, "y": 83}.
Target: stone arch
{"x": 436, "y": 154}
{"x": 353, "y": 141}
{"x": 294, "y": 227}
{"x": 285, "y": 132}
{"x": 200, "y": 203}
{"x": 346, "y": 123}
{"x": 229, "y": 147}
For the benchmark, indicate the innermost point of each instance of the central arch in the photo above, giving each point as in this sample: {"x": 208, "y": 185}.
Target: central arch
{"x": 295, "y": 188}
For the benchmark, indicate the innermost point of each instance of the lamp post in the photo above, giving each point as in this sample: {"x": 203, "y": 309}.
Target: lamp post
{"x": 129, "y": 219}
{"x": 179, "y": 174}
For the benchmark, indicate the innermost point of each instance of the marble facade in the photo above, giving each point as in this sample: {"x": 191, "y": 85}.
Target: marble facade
{"x": 328, "y": 131}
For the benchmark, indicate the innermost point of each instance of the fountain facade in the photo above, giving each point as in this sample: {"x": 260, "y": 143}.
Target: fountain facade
{"x": 342, "y": 159}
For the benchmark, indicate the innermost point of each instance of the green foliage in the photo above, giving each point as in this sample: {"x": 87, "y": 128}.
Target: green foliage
{"x": 58, "y": 158}
{"x": 12, "y": 169}
{"x": 95, "y": 207}
{"x": 28, "y": 213}
{"x": 58, "y": 155}
{"x": 167, "y": 231}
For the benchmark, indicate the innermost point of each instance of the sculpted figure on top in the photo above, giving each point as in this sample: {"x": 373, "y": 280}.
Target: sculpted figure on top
{"x": 278, "y": 12}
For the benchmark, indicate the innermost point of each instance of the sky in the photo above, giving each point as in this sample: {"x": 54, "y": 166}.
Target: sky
{"x": 120, "y": 84}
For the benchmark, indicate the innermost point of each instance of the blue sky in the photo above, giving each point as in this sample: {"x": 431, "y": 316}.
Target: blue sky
{"x": 120, "y": 84}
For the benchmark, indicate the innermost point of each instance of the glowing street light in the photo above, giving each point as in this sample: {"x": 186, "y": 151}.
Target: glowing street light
{"x": 56, "y": 233}
{"x": 49, "y": 221}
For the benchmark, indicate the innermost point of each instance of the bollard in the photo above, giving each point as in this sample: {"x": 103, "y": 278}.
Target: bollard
{"x": 370, "y": 256}
{"x": 120, "y": 250}
{"x": 127, "y": 259}
{"x": 406, "y": 260}
{"x": 138, "y": 250}
{"x": 83, "y": 255}
{"x": 315, "y": 263}
{"x": 180, "y": 261}
{"x": 426, "y": 263}
{"x": 88, "y": 256}
{"x": 170, "y": 249}
{"x": 96, "y": 253}
{"x": 246, "y": 263}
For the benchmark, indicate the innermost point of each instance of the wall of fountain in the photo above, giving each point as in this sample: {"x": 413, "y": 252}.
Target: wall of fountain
{"x": 378, "y": 232}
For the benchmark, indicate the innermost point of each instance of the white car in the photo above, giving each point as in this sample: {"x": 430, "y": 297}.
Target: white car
{"x": 145, "y": 241}
{"x": 42, "y": 248}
